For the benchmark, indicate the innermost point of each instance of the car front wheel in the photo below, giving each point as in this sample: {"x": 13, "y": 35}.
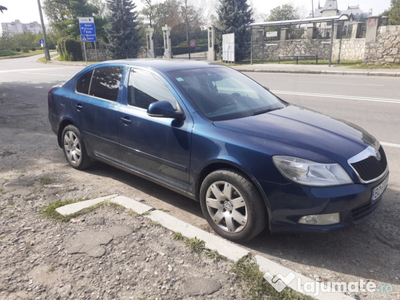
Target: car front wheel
{"x": 232, "y": 205}
{"x": 74, "y": 148}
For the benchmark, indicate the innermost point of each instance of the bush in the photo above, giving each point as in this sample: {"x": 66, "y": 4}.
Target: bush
{"x": 18, "y": 49}
{"x": 25, "y": 50}
{"x": 7, "y": 52}
{"x": 33, "y": 49}
{"x": 70, "y": 49}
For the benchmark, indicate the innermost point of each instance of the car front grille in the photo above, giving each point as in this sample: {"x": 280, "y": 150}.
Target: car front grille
{"x": 371, "y": 168}
{"x": 360, "y": 213}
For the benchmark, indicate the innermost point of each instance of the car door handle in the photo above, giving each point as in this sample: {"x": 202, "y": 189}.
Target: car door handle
{"x": 126, "y": 120}
{"x": 79, "y": 107}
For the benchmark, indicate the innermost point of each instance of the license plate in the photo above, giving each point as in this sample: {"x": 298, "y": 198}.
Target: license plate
{"x": 378, "y": 191}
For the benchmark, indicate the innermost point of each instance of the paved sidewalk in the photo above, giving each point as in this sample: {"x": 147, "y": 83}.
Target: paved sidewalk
{"x": 317, "y": 69}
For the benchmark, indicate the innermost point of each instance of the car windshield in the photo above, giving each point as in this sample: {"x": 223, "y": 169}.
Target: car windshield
{"x": 222, "y": 94}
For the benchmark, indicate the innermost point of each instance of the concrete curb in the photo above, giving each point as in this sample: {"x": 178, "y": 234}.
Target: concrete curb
{"x": 324, "y": 72}
{"x": 78, "y": 206}
{"x": 224, "y": 247}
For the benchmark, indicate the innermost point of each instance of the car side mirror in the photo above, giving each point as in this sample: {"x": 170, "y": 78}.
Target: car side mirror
{"x": 164, "y": 109}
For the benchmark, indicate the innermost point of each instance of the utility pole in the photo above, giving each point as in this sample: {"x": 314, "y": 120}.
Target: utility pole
{"x": 46, "y": 49}
{"x": 312, "y": 8}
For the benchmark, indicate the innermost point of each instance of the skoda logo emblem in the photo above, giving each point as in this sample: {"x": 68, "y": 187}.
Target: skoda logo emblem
{"x": 378, "y": 155}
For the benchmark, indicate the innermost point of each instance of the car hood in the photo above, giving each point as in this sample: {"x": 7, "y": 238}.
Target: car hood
{"x": 304, "y": 129}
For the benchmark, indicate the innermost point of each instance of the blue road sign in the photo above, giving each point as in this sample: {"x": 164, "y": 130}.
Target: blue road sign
{"x": 41, "y": 41}
{"x": 88, "y": 30}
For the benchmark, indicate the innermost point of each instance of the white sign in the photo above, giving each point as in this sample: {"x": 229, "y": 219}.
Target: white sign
{"x": 228, "y": 47}
{"x": 272, "y": 34}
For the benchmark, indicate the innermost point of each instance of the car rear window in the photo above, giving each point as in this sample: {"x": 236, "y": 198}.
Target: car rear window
{"x": 105, "y": 82}
{"x": 82, "y": 85}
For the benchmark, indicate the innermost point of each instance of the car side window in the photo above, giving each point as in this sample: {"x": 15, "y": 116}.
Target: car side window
{"x": 83, "y": 83}
{"x": 105, "y": 82}
{"x": 145, "y": 88}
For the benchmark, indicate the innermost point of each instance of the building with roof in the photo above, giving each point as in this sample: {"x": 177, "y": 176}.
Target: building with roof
{"x": 330, "y": 8}
{"x": 17, "y": 27}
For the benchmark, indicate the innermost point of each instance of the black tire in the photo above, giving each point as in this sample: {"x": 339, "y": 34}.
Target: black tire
{"x": 238, "y": 213}
{"x": 74, "y": 148}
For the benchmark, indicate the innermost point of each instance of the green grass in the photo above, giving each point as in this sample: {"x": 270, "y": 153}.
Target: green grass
{"x": 198, "y": 246}
{"x": 50, "y": 210}
{"x": 256, "y": 287}
{"x": 44, "y": 60}
{"x": 154, "y": 224}
{"x": 21, "y": 54}
{"x": 46, "y": 180}
{"x": 178, "y": 236}
{"x": 2, "y": 191}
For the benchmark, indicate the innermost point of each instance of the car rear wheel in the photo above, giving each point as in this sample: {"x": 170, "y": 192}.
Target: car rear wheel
{"x": 74, "y": 148}
{"x": 232, "y": 205}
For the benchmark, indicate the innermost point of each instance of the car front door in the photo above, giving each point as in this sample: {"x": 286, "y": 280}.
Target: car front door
{"x": 156, "y": 147}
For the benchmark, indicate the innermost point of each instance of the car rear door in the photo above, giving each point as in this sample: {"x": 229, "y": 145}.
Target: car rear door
{"x": 96, "y": 109}
{"x": 156, "y": 147}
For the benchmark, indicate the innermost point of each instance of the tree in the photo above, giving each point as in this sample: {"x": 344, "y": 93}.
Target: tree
{"x": 2, "y": 8}
{"x": 148, "y": 10}
{"x": 122, "y": 32}
{"x": 283, "y": 13}
{"x": 393, "y": 13}
{"x": 233, "y": 17}
{"x": 64, "y": 15}
{"x": 191, "y": 18}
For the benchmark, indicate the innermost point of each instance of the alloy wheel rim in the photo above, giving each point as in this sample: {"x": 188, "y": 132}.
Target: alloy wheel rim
{"x": 226, "y": 207}
{"x": 72, "y": 147}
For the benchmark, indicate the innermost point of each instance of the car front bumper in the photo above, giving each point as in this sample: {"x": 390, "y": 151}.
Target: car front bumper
{"x": 288, "y": 203}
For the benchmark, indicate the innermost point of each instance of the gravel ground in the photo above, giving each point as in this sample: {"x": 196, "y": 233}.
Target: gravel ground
{"x": 43, "y": 259}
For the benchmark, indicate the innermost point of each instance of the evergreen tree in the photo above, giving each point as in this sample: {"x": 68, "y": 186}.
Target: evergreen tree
{"x": 233, "y": 17}
{"x": 123, "y": 33}
{"x": 2, "y": 8}
{"x": 393, "y": 13}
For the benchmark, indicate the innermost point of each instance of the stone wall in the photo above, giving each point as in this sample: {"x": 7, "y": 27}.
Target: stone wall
{"x": 386, "y": 48}
{"x": 350, "y": 49}
{"x": 91, "y": 55}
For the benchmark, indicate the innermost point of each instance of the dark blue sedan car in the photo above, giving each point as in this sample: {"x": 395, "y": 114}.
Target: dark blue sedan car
{"x": 209, "y": 132}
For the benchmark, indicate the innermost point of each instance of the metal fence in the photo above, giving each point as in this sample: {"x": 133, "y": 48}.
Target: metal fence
{"x": 323, "y": 33}
{"x": 192, "y": 46}
{"x": 345, "y": 31}
{"x": 296, "y": 33}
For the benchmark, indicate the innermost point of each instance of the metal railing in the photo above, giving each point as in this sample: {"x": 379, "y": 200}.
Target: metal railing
{"x": 296, "y": 33}
{"x": 323, "y": 33}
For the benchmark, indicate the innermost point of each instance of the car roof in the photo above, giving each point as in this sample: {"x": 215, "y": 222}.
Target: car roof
{"x": 163, "y": 65}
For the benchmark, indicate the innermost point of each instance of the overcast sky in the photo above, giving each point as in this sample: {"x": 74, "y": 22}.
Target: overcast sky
{"x": 27, "y": 10}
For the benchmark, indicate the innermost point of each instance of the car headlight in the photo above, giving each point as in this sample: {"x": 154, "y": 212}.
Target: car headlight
{"x": 311, "y": 173}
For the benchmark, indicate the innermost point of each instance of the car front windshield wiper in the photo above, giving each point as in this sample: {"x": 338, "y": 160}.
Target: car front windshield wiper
{"x": 264, "y": 111}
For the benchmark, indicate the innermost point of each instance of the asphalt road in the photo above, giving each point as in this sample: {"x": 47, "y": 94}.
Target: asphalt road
{"x": 370, "y": 102}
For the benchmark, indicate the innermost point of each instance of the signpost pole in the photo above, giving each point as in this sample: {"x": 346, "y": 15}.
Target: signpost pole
{"x": 84, "y": 48}
{"x": 95, "y": 48}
